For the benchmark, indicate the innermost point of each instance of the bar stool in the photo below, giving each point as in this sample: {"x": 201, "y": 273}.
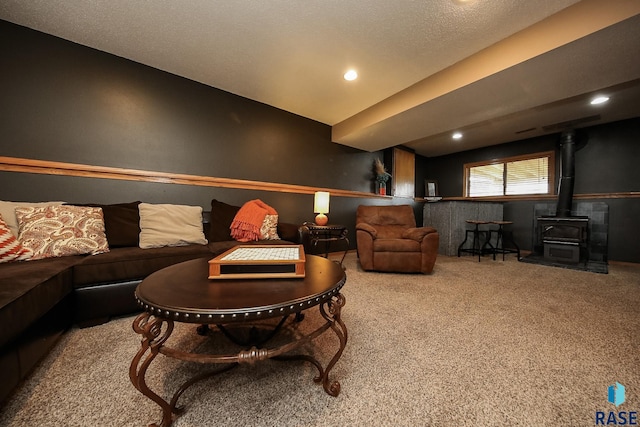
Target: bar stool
{"x": 499, "y": 248}
{"x": 476, "y": 248}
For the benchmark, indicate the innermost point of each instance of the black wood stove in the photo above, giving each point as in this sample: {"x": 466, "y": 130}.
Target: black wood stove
{"x": 564, "y": 237}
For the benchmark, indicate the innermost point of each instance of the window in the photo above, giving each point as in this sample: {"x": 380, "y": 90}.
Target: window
{"x": 513, "y": 176}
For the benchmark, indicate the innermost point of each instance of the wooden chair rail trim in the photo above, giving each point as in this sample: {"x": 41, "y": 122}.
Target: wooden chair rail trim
{"x": 15, "y": 164}
{"x": 585, "y": 196}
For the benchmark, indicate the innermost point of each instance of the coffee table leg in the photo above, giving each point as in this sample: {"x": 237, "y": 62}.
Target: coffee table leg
{"x": 331, "y": 312}
{"x": 155, "y": 331}
{"x": 153, "y": 337}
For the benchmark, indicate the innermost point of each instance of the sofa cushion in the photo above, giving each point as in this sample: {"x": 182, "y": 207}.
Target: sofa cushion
{"x": 53, "y": 231}
{"x": 132, "y": 263}
{"x": 400, "y": 215}
{"x": 30, "y": 289}
{"x": 389, "y": 231}
{"x": 121, "y": 223}
{"x": 10, "y": 247}
{"x": 289, "y": 232}
{"x": 222, "y": 216}
{"x": 170, "y": 225}
{"x": 396, "y": 245}
{"x": 7, "y": 210}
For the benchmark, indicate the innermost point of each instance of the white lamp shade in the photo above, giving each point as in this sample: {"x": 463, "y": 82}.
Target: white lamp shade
{"x": 321, "y": 202}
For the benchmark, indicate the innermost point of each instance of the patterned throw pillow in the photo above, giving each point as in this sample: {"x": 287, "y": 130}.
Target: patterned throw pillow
{"x": 54, "y": 231}
{"x": 8, "y": 212}
{"x": 269, "y": 229}
{"x": 10, "y": 247}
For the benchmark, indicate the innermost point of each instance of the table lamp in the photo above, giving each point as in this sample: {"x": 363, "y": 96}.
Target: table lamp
{"x": 321, "y": 207}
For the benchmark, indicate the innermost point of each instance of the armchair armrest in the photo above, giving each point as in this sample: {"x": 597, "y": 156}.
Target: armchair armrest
{"x": 417, "y": 233}
{"x": 368, "y": 228}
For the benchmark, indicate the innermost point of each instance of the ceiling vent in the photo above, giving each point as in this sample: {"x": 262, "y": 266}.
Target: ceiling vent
{"x": 570, "y": 124}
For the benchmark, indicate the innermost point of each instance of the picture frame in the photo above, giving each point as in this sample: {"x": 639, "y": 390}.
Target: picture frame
{"x": 430, "y": 188}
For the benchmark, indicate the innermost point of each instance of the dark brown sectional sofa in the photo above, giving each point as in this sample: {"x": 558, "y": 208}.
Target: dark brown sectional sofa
{"x": 40, "y": 299}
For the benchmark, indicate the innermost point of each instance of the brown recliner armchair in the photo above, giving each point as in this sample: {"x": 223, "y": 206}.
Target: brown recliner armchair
{"x": 388, "y": 240}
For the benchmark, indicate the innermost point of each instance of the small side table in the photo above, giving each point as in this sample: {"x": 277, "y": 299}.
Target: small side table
{"x": 328, "y": 234}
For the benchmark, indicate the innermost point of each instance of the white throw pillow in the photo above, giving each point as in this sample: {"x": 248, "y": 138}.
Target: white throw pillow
{"x": 170, "y": 225}
{"x": 8, "y": 212}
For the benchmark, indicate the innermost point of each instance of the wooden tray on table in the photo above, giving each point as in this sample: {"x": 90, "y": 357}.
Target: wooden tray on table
{"x": 259, "y": 262}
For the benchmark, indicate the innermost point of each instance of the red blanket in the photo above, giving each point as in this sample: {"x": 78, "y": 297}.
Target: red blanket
{"x": 246, "y": 225}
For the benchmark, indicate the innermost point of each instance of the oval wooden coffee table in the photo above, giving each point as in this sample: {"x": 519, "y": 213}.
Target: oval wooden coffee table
{"x": 183, "y": 293}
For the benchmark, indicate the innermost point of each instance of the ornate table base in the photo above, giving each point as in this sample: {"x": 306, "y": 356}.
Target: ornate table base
{"x": 155, "y": 332}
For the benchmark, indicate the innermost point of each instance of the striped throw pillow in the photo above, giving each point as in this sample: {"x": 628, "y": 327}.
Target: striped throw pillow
{"x": 10, "y": 247}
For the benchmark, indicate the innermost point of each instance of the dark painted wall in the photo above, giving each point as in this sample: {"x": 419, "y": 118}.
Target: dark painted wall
{"x": 65, "y": 102}
{"x": 608, "y": 163}
{"x": 61, "y": 101}
{"x": 449, "y": 170}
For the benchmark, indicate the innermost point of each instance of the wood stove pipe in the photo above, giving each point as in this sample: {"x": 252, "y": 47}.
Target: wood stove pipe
{"x": 567, "y": 174}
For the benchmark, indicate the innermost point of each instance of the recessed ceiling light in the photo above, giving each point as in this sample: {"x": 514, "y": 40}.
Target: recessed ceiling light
{"x": 457, "y": 135}
{"x": 350, "y": 75}
{"x": 599, "y": 100}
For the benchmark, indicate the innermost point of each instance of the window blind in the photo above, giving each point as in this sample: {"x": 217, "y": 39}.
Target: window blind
{"x": 486, "y": 180}
{"x": 509, "y": 177}
{"x": 527, "y": 176}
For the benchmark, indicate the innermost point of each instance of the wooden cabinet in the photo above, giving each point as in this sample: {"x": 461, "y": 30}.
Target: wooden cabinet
{"x": 403, "y": 172}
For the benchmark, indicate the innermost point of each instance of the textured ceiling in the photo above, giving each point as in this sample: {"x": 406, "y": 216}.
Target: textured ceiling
{"x": 417, "y": 60}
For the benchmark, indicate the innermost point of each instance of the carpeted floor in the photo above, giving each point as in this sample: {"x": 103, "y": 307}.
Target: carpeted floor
{"x": 488, "y": 343}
